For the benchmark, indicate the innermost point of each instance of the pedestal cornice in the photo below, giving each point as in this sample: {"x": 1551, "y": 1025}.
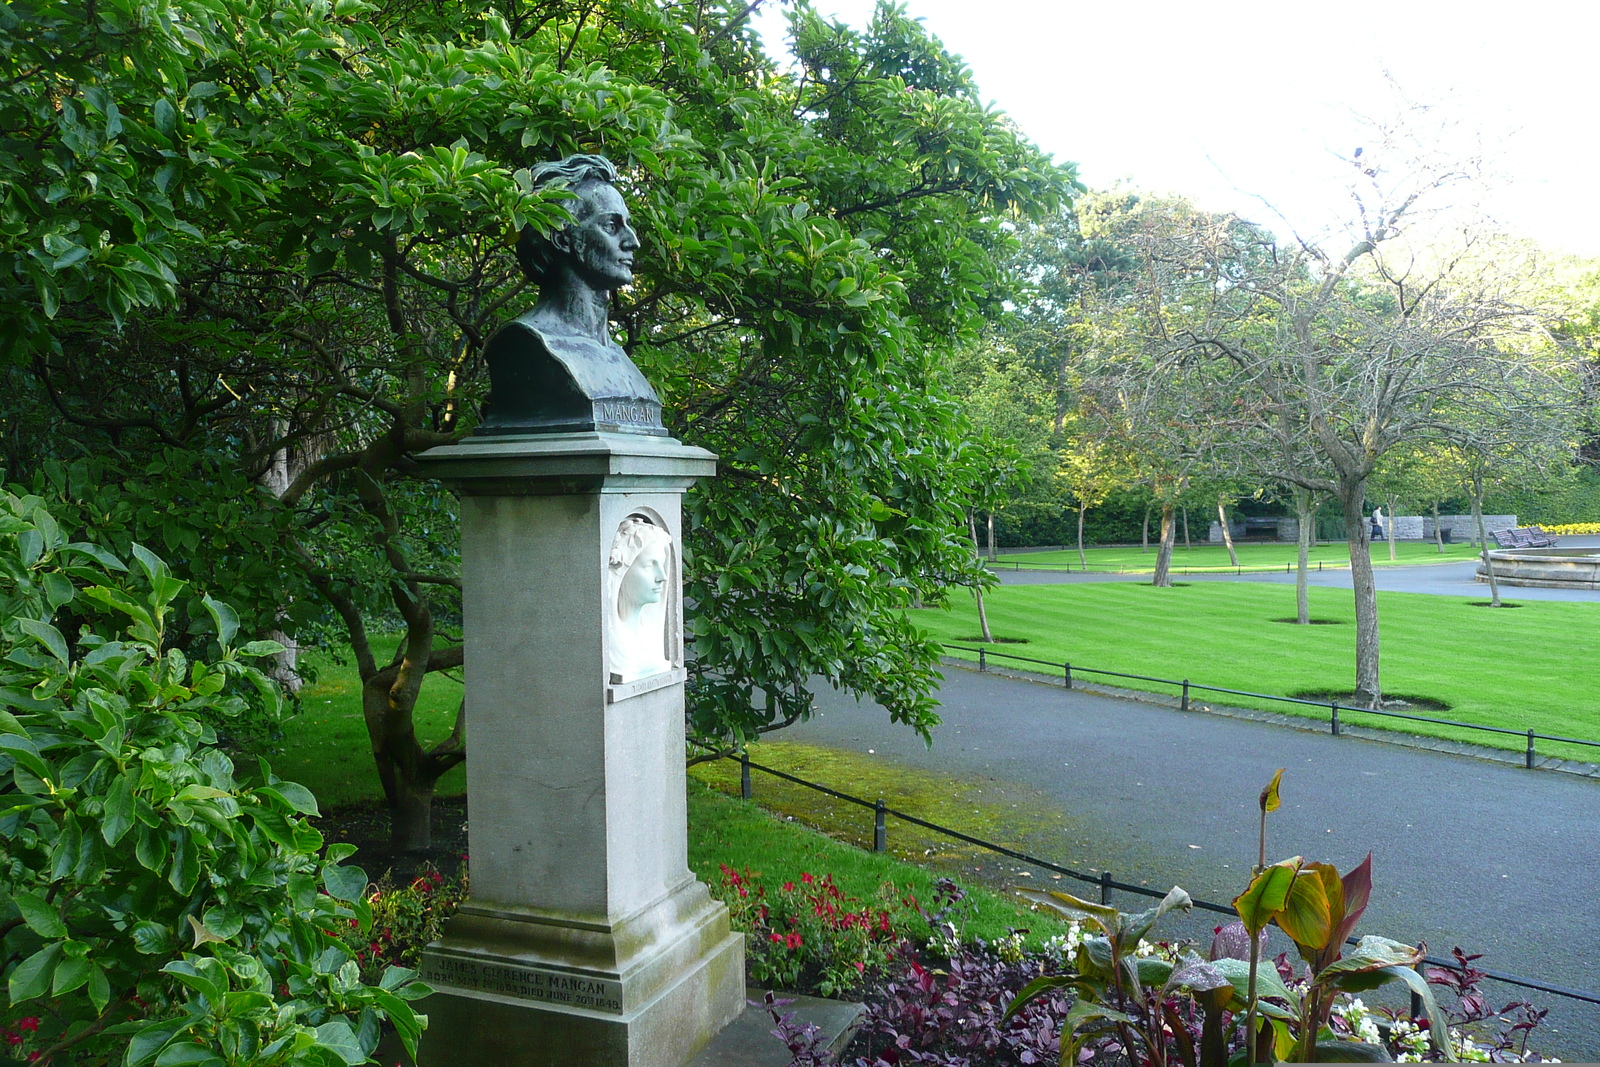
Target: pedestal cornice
{"x": 558, "y": 464}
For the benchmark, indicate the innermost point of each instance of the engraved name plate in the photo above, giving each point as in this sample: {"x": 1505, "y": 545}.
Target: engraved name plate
{"x": 525, "y": 983}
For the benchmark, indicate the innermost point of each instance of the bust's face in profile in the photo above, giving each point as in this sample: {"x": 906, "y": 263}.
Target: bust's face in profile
{"x": 602, "y": 243}
{"x": 646, "y": 580}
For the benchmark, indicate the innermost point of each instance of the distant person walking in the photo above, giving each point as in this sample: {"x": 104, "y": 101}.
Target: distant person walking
{"x": 1377, "y": 524}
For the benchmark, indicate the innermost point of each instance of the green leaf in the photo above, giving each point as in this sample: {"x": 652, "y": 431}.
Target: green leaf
{"x": 152, "y": 1039}
{"x": 337, "y": 1036}
{"x": 293, "y": 795}
{"x": 151, "y": 938}
{"x": 32, "y": 977}
{"x": 224, "y": 618}
{"x": 46, "y": 635}
{"x": 57, "y": 589}
{"x": 99, "y": 987}
{"x": 188, "y": 1054}
{"x": 1032, "y": 990}
{"x": 118, "y": 815}
{"x": 344, "y": 883}
{"x": 1107, "y": 918}
{"x": 261, "y": 648}
{"x": 1265, "y": 896}
{"x": 42, "y": 918}
{"x": 72, "y": 973}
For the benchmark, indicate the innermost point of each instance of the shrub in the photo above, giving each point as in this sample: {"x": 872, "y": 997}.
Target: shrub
{"x": 157, "y": 909}
{"x": 809, "y": 935}
{"x": 404, "y": 919}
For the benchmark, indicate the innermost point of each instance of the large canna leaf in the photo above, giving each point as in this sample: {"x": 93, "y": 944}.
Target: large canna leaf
{"x": 1266, "y": 895}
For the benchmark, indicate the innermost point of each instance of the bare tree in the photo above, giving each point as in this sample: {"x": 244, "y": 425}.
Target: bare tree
{"x": 1349, "y": 354}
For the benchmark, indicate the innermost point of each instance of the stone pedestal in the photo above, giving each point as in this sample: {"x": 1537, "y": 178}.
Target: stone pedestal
{"x": 586, "y": 940}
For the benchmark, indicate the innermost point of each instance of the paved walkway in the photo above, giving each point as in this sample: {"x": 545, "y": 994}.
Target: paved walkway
{"x": 1493, "y": 858}
{"x": 1442, "y": 579}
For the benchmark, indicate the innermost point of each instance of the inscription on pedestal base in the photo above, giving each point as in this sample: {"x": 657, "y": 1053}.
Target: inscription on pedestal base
{"x": 526, "y": 983}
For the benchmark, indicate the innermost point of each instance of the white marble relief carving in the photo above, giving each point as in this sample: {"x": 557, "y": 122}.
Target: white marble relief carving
{"x": 641, "y": 571}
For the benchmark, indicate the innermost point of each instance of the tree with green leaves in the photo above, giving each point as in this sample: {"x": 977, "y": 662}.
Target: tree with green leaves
{"x": 346, "y": 181}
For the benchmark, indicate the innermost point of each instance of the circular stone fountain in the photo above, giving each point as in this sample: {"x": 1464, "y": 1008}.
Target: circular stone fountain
{"x": 1548, "y": 568}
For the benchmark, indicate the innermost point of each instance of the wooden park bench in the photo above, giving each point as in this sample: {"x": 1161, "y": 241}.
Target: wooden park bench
{"x": 1523, "y": 537}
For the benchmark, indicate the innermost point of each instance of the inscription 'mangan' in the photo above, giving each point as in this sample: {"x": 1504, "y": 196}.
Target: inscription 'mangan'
{"x": 528, "y": 983}
{"x": 627, "y": 412}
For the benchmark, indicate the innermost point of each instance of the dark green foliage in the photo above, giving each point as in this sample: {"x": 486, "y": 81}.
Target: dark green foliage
{"x": 152, "y": 899}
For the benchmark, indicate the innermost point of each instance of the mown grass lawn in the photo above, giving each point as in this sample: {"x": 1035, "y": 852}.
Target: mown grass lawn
{"x": 1206, "y": 557}
{"x": 1534, "y": 666}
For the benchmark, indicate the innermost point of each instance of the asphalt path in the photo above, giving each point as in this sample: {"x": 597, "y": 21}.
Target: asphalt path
{"x": 1466, "y": 852}
{"x": 1440, "y": 579}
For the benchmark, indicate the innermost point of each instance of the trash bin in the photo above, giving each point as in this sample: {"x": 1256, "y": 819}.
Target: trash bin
{"x": 1444, "y": 536}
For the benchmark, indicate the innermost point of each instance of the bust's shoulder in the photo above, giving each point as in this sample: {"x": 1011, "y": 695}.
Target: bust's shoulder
{"x": 540, "y": 333}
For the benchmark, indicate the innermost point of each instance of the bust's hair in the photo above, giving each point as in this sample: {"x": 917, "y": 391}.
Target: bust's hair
{"x": 633, "y": 537}
{"x": 535, "y": 252}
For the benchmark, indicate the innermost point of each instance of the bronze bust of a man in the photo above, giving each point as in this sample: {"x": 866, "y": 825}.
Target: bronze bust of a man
{"x": 556, "y": 368}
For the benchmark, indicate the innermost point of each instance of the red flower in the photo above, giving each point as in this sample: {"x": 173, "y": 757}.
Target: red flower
{"x": 30, "y": 1024}
{"x": 12, "y": 1039}
{"x": 788, "y": 887}
{"x": 806, "y": 878}
{"x": 793, "y": 941}
{"x": 860, "y": 966}
{"x": 775, "y": 938}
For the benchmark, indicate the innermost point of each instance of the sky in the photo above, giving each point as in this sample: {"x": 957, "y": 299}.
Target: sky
{"x": 1242, "y": 105}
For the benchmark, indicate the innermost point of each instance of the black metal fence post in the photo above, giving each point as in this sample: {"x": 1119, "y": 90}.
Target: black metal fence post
{"x": 880, "y": 829}
{"x": 1334, "y": 722}
{"x": 1185, "y": 705}
{"x": 1105, "y": 887}
{"x": 983, "y": 660}
{"x": 1530, "y": 750}
{"x": 744, "y": 775}
{"x": 1066, "y": 675}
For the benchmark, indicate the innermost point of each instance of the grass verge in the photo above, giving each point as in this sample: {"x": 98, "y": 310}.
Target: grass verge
{"x": 1512, "y": 669}
{"x": 1207, "y": 557}
{"x": 743, "y": 835}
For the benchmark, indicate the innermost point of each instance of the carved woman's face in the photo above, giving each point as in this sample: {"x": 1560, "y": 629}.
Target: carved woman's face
{"x": 646, "y": 580}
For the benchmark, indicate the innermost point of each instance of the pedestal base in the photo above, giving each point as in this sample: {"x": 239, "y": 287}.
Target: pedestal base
{"x": 489, "y": 1030}
{"x": 520, "y": 988}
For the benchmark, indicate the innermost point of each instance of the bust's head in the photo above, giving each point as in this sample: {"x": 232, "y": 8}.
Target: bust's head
{"x": 598, "y": 245}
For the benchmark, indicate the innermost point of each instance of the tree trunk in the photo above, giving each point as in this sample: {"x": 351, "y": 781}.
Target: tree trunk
{"x": 1227, "y": 534}
{"x": 1083, "y": 560}
{"x": 1367, "y": 690}
{"x": 1144, "y": 538}
{"x": 1188, "y": 546}
{"x": 1483, "y": 541}
{"x": 1390, "y": 532}
{"x": 1438, "y": 534}
{"x": 977, "y": 590}
{"x": 1169, "y": 532}
{"x": 1306, "y": 516}
{"x": 407, "y": 771}
{"x": 992, "y": 555}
